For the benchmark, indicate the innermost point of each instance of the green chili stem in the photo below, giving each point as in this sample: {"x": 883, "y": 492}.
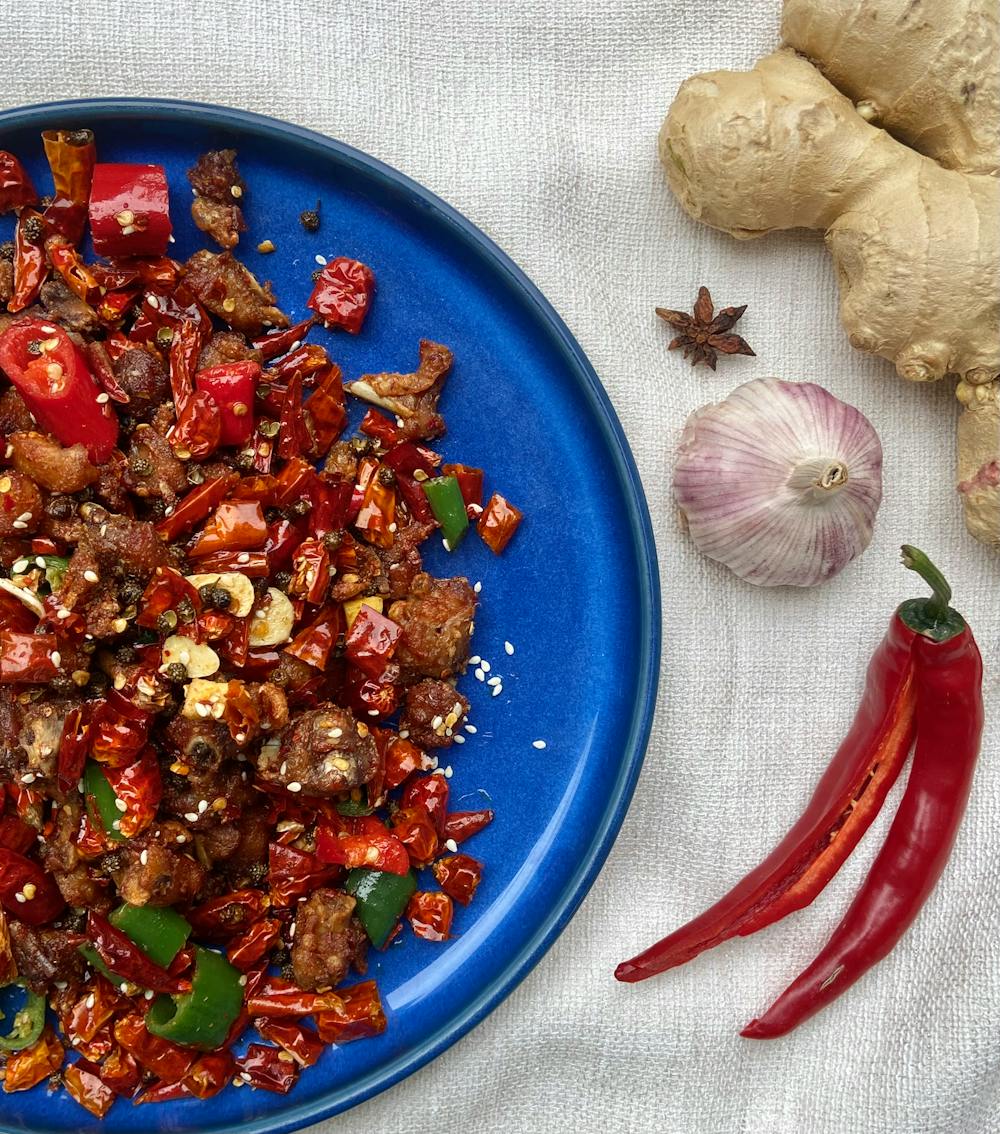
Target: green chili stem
{"x": 916, "y": 560}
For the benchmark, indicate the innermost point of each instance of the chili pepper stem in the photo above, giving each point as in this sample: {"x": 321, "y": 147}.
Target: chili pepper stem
{"x": 916, "y": 560}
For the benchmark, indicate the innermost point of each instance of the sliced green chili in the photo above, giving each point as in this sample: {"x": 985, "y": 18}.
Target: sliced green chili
{"x": 381, "y": 898}
{"x": 448, "y": 505}
{"x": 159, "y": 933}
{"x": 202, "y": 1017}
{"x": 28, "y": 1024}
{"x": 101, "y": 800}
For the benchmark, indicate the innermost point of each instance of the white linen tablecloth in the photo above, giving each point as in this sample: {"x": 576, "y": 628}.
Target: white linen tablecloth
{"x": 538, "y": 119}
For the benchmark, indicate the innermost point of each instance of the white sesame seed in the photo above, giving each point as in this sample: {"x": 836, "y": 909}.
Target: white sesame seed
{"x": 28, "y": 778}
{"x": 497, "y": 690}
{"x": 486, "y": 665}
{"x": 102, "y": 399}
{"x": 184, "y": 657}
{"x": 62, "y": 612}
{"x": 475, "y": 659}
{"x": 451, "y": 845}
{"x": 91, "y": 576}
{"x": 149, "y": 994}
{"x": 240, "y": 737}
{"x": 480, "y": 673}
{"x": 20, "y": 897}
{"x": 56, "y": 658}
{"x": 459, "y": 739}
{"x": 538, "y": 744}
{"x": 243, "y": 557}
{"x": 335, "y": 733}
{"x": 22, "y": 565}
{"x": 121, "y": 805}
{"x": 448, "y": 772}
{"x": 373, "y": 712}
{"x": 202, "y": 806}
{"x": 471, "y": 728}
{"x": 116, "y": 825}
{"x": 124, "y": 986}
{"x": 393, "y": 526}
{"x": 191, "y": 816}
{"x": 183, "y": 838}
{"x": 509, "y": 648}
{"x": 444, "y": 543}
{"x": 245, "y": 1076}
{"x": 202, "y": 709}
{"x": 284, "y": 768}
{"x": 320, "y": 259}
{"x": 295, "y": 786}
{"x": 242, "y": 982}
{"x": 437, "y": 722}
{"x": 91, "y": 1001}
{"x": 19, "y": 524}
{"x": 144, "y": 857}
{"x": 291, "y": 931}
{"x": 495, "y": 681}
{"x": 25, "y": 517}
{"x": 478, "y": 587}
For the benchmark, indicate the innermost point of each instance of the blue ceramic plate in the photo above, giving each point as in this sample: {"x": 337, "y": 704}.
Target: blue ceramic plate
{"x": 576, "y": 593}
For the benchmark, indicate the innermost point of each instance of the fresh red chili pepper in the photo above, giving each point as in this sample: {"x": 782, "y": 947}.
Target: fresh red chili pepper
{"x": 431, "y": 793}
{"x": 129, "y": 210}
{"x": 314, "y": 643}
{"x": 268, "y": 1068}
{"x": 198, "y": 503}
{"x": 235, "y": 525}
{"x": 371, "y": 641}
{"x": 462, "y": 825}
{"x": 430, "y": 915}
{"x": 26, "y": 1069}
{"x": 26, "y": 659}
{"x": 377, "y": 425}
{"x": 232, "y": 385}
{"x": 378, "y": 850}
{"x": 293, "y": 873}
{"x": 310, "y": 571}
{"x": 30, "y": 265}
{"x": 358, "y": 1014}
{"x": 498, "y": 523}
{"x": 84, "y": 1083}
{"x": 119, "y": 730}
{"x": 52, "y": 376}
{"x": 69, "y": 264}
{"x": 254, "y": 944}
{"x": 470, "y": 482}
{"x": 169, "y": 1061}
{"x": 459, "y": 876}
{"x": 949, "y": 721}
{"x": 293, "y": 434}
{"x": 26, "y": 891}
{"x": 198, "y": 431}
{"x": 301, "y": 1043}
{"x": 343, "y": 294}
{"x": 71, "y": 155}
{"x": 139, "y": 787}
{"x": 276, "y": 343}
{"x": 220, "y": 919}
{"x": 16, "y": 189}
{"x": 74, "y": 743}
{"x": 126, "y": 960}
{"x": 65, "y": 218}
{"x": 414, "y": 827}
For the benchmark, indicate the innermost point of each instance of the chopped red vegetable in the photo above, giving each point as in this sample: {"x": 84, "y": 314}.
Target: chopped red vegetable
{"x": 16, "y": 189}
{"x": 430, "y": 914}
{"x": 129, "y": 210}
{"x": 498, "y": 523}
{"x": 343, "y": 294}
{"x": 232, "y": 386}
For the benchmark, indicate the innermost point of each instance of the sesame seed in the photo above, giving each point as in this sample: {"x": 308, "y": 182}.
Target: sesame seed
{"x": 284, "y": 768}
{"x": 295, "y": 786}
{"x": 393, "y": 526}
{"x": 144, "y": 857}
{"x": 240, "y": 737}
{"x": 486, "y": 666}
{"x": 320, "y": 260}
{"x": 243, "y": 557}
{"x": 451, "y": 845}
{"x": 242, "y": 982}
{"x": 28, "y": 778}
{"x": 46, "y": 750}
{"x": 124, "y": 986}
{"x": 91, "y": 1001}
{"x": 334, "y": 733}
{"x": 509, "y": 648}
{"x": 25, "y": 516}
{"x": 480, "y": 673}
{"x": 475, "y": 659}
{"x": 148, "y": 994}
{"x": 56, "y": 658}
{"x": 497, "y": 690}
{"x": 236, "y": 190}
{"x": 471, "y": 728}
{"x": 245, "y": 1076}
{"x": 91, "y": 576}
{"x": 102, "y": 399}
{"x": 116, "y": 825}
{"x": 538, "y": 744}
{"x": 495, "y": 681}
{"x": 184, "y": 657}
{"x": 62, "y": 612}
{"x": 436, "y": 722}
{"x": 183, "y": 838}
{"x": 447, "y": 772}
{"x": 373, "y": 712}
{"x": 459, "y": 739}
{"x": 19, "y": 524}
{"x": 291, "y": 931}
{"x": 22, "y": 565}
{"x": 444, "y": 543}
{"x": 478, "y": 587}
{"x": 121, "y": 805}
{"x": 30, "y": 890}
{"x": 20, "y": 897}
{"x": 191, "y": 816}
{"x": 202, "y": 806}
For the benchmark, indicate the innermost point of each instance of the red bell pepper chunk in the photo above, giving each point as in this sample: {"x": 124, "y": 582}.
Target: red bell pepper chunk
{"x": 27, "y": 658}
{"x": 343, "y": 294}
{"x": 126, "y": 960}
{"x": 430, "y": 914}
{"x": 236, "y": 525}
{"x": 16, "y": 189}
{"x": 372, "y": 641}
{"x": 232, "y": 385}
{"x": 276, "y": 343}
{"x": 129, "y": 210}
{"x": 462, "y": 825}
{"x": 431, "y": 793}
{"x": 498, "y": 523}
{"x": 52, "y": 376}
{"x": 459, "y": 876}
{"x": 26, "y": 891}
{"x": 195, "y": 506}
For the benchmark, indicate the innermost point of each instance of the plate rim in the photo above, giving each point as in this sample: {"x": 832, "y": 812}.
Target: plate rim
{"x": 639, "y": 523}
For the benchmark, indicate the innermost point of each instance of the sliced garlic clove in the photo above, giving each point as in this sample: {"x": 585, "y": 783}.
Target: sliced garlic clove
{"x": 204, "y": 699}
{"x": 25, "y": 596}
{"x": 272, "y": 624}
{"x": 198, "y": 659}
{"x": 780, "y": 482}
{"x": 239, "y": 588}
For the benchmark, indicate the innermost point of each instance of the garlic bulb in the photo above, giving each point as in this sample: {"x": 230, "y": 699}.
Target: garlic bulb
{"x": 780, "y": 482}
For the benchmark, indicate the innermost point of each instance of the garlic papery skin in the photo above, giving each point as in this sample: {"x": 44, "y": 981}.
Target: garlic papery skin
{"x": 780, "y": 482}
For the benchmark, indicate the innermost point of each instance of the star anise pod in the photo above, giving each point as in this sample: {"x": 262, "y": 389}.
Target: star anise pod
{"x": 703, "y": 335}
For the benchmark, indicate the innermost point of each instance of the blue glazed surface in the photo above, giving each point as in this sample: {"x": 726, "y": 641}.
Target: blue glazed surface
{"x": 577, "y": 591}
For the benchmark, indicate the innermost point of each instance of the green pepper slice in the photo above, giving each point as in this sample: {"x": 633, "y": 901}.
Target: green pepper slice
{"x": 202, "y": 1017}
{"x": 28, "y": 1024}
{"x": 381, "y": 898}
{"x": 356, "y": 804}
{"x": 444, "y": 494}
{"x": 55, "y": 568}
{"x": 160, "y": 933}
{"x": 101, "y": 800}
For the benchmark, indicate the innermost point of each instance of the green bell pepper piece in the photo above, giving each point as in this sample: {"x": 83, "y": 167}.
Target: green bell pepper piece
{"x": 160, "y": 933}
{"x": 202, "y": 1017}
{"x": 381, "y": 898}
{"x": 100, "y": 796}
{"x": 445, "y": 498}
{"x": 55, "y": 568}
{"x": 28, "y": 1024}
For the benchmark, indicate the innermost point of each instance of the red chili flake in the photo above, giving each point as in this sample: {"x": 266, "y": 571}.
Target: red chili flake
{"x": 430, "y": 914}
{"x": 459, "y": 876}
{"x": 357, "y": 1015}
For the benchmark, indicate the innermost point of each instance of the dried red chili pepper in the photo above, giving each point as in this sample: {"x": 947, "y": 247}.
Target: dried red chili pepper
{"x": 414, "y": 828}
{"x": 326, "y": 412}
{"x": 26, "y": 659}
{"x": 161, "y": 1092}
{"x": 314, "y": 643}
{"x": 102, "y": 369}
{"x": 26, "y": 1069}
{"x": 69, "y": 264}
{"x": 377, "y": 425}
{"x": 276, "y": 343}
{"x": 310, "y": 571}
{"x": 301, "y": 1043}
{"x": 232, "y": 385}
{"x": 462, "y": 825}
{"x": 119, "y": 730}
{"x": 293, "y": 434}
{"x": 283, "y": 537}
{"x": 65, "y": 218}
{"x": 121, "y": 1073}
{"x": 235, "y": 525}
{"x": 307, "y": 361}
{"x": 371, "y": 641}
{"x": 253, "y": 564}
{"x": 254, "y": 944}
{"x": 272, "y": 996}
{"x": 372, "y": 698}
{"x": 169, "y": 1061}
{"x": 125, "y": 959}
{"x": 498, "y": 523}
{"x": 415, "y": 499}
{"x": 222, "y": 918}
{"x": 26, "y": 891}
{"x": 343, "y": 294}
{"x": 83, "y": 1082}
{"x": 357, "y": 1015}
{"x": 88, "y": 1014}
{"x": 269, "y": 1068}
{"x": 293, "y": 873}
{"x": 210, "y": 1074}
{"x": 402, "y": 759}
{"x": 431, "y": 793}
{"x": 163, "y": 311}
{"x": 168, "y": 590}
{"x": 374, "y": 850}
{"x": 139, "y": 787}
{"x": 16, "y": 189}
{"x": 198, "y": 430}
{"x": 459, "y": 876}
{"x": 430, "y": 915}
{"x": 16, "y": 835}
{"x": 74, "y": 743}
{"x": 198, "y": 503}
{"x": 71, "y": 155}
{"x": 14, "y": 615}
{"x": 470, "y": 482}
{"x": 30, "y": 265}
{"x": 376, "y": 517}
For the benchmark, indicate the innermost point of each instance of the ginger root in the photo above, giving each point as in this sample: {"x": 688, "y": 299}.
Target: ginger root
{"x": 914, "y": 229}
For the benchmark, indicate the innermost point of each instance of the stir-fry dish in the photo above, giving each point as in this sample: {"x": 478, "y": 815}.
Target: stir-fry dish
{"x": 224, "y": 672}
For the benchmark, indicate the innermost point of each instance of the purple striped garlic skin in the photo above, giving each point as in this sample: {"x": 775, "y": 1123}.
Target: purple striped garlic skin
{"x": 780, "y": 482}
